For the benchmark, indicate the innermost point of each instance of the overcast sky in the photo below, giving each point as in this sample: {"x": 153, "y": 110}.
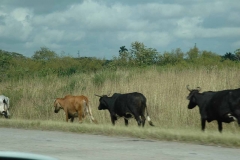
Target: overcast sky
{"x": 98, "y": 28}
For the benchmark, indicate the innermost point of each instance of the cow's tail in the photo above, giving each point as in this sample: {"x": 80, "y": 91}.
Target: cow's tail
{"x": 149, "y": 119}
{"x": 90, "y": 112}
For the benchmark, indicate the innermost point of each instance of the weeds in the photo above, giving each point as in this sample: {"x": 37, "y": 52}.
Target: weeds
{"x": 165, "y": 90}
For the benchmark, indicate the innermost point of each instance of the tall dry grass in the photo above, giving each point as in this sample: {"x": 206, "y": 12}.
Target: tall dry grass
{"x": 165, "y": 90}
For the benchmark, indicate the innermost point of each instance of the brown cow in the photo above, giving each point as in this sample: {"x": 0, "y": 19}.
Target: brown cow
{"x": 74, "y": 106}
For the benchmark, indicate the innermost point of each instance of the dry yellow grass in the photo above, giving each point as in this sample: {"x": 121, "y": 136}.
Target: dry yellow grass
{"x": 166, "y": 92}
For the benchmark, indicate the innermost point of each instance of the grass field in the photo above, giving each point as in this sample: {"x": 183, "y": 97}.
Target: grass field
{"x": 31, "y": 102}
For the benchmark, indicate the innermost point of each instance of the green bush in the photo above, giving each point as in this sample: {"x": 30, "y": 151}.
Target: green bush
{"x": 99, "y": 79}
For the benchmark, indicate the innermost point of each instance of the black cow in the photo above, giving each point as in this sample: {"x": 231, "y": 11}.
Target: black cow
{"x": 127, "y": 105}
{"x": 226, "y": 104}
{"x": 212, "y": 106}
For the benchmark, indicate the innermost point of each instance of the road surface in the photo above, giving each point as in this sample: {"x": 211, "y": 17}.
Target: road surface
{"x": 73, "y": 146}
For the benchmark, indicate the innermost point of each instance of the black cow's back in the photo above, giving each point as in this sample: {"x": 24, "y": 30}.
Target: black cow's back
{"x": 112, "y": 99}
{"x": 223, "y": 102}
{"x": 219, "y": 104}
{"x": 130, "y": 103}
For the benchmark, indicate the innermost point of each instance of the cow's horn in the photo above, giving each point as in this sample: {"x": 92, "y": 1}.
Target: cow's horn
{"x": 199, "y": 88}
{"x": 188, "y": 87}
{"x": 97, "y": 95}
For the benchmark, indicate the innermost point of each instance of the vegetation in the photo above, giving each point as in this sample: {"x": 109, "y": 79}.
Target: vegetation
{"x": 32, "y": 84}
{"x": 44, "y": 62}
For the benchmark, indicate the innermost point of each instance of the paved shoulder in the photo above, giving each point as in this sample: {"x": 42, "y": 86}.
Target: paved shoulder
{"x": 72, "y": 146}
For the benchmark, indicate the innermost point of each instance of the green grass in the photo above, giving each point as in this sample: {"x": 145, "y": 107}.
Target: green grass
{"x": 188, "y": 135}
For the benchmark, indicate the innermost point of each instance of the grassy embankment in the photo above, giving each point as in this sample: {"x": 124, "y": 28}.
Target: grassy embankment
{"x": 32, "y": 100}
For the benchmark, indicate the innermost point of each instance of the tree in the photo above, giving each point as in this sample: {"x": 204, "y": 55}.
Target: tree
{"x": 173, "y": 57}
{"x": 208, "y": 59}
{"x": 5, "y": 58}
{"x": 229, "y": 56}
{"x": 123, "y": 49}
{"x": 193, "y": 53}
{"x": 8, "y": 61}
{"x": 44, "y": 54}
{"x": 124, "y": 54}
{"x": 143, "y": 55}
{"x": 237, "y": 54}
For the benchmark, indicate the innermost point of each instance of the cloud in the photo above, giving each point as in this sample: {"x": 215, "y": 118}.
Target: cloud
{"x": 16, "y": 25}
{"x": 99, "y": 28}
{"x": 236, "y": 44}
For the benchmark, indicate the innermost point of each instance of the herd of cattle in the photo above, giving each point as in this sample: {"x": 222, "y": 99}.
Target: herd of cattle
{"x": 222, "y": 106}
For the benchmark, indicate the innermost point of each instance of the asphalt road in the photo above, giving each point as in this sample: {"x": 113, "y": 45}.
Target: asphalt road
{"x": 71, "y": 146}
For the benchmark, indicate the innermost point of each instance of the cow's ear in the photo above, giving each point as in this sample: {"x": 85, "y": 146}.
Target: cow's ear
{"x": 56, "y": 100}
{"x": 58, "y": 104}
{"x": 193, "y": 99}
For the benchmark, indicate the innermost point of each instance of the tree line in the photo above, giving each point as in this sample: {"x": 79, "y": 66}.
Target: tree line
{"x": 46, "y": 62}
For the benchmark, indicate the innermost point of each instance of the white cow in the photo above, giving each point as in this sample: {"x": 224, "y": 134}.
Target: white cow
{"x": 4, "y": 106}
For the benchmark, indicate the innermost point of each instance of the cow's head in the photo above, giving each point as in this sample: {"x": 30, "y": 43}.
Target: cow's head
{"x": 57, "y": 106}
{"x": 191, "y": 97}
{"x": 102, "y": 102}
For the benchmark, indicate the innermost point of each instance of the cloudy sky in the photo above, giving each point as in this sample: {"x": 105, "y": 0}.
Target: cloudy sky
{"x": 98, "y": 28}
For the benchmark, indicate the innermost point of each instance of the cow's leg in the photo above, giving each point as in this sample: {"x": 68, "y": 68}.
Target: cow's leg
{"x": 66, "y": 113}
{"x": 126, "y": 122}
{"x": 203, "y": 123}
{"x": 143, "y": 120}
{"x": 219, "y": 126}
{"x": 5, "y": 114}
{"x": 72, "y": 119}
{"x": 87, "y": 111}
{"x": 80, "y": 113}
{"x": 138, "y": 119}
{"x": 136, "y": 115}
{"x": 113, "y": 118}
{"x": 8, "y": 114}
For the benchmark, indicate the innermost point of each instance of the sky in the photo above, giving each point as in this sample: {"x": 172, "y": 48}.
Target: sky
{"x": 98, "y": 28}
